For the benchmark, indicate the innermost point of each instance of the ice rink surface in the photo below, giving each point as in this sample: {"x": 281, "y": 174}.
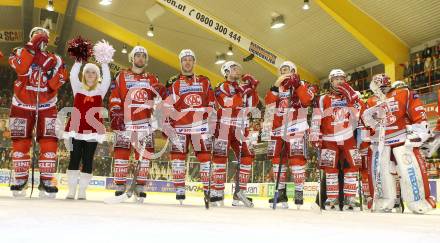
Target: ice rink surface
{"x": 161, "y": 219}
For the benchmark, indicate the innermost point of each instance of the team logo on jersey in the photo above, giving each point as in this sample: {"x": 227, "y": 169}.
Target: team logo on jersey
{"x": 140, "y": 95}
{"x": 193, "y": 100}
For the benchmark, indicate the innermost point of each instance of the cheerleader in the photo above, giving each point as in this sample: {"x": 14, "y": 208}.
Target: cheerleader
{"x": 85, "y": 127}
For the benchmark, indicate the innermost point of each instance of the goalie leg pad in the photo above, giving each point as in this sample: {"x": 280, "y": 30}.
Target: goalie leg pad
{"x": 384, "y": 183}
{"x": 413, "y": 180}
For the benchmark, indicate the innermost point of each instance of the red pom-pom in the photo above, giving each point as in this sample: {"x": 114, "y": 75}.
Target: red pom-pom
{"x": 80, "y": 49}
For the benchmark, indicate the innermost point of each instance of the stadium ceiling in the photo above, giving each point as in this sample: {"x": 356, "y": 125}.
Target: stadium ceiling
{"x": 332, "y": 33}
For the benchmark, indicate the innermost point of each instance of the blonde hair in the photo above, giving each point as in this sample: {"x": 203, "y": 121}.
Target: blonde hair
{"x": 90, "y": 88}
{"x": 94, "y": 68}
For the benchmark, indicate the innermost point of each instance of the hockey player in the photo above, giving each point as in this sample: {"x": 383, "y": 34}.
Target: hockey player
{"x": 233, "y": 96}
{"x": 289, "y": 94}
{"x": 131, "y": 104}
{"x": 40, "y": 75}
{"x": 192, "y": 99}
{"x": 334, "y": 119}
{"x": 398, "y": 119}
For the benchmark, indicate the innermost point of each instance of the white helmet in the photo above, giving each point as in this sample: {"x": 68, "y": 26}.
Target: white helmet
{"x": 227, "y": 67}
{"x": 186, "y": 52}
{"x": 336, "y": 73}
{"x": 399, "y": 84}
{"x": 35, "y": 29}
{"x": 93, "y": 67}
{"x": 290, "y": 64}
{"x": 137, "y": 49}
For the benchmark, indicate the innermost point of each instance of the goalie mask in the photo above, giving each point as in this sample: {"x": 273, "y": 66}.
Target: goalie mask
{"x": 380, "y": 85}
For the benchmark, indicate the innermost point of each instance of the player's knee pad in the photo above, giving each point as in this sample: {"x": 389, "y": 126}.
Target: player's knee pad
{"x": 413, "y": 181}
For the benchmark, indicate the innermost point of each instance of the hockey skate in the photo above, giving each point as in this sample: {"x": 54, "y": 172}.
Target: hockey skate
{"x": 331, "y": 204}
{"x": 120, "y": 189}
{"x": 180, "y": 198}
{"x": 282, "y": 198}
{"x": 139, "y": 194}
{"x": 350, "y": 203}
{"x": 47, "y": 189}
{"x": 241, "y": 197}
{"x": 19, "y": 188}
{"x": 398, "y": 205}
{"x": 299, "y": 199}
{"x": 217, "y": 199}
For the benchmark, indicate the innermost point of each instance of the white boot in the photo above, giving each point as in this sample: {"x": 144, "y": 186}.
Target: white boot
{"x": 72, "y": 183}
{"x": 83, "y": 184}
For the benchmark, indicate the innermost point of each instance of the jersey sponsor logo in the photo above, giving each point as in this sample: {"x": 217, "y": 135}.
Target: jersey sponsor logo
{"x": 193, "y": 100}
{"x": 137, "y": 84}
{"x": 190, "y": 89}
{"x": 283, "y": 95}
{"x": 338, "y": 103}
{"x": 50, "y": 155}
{"x": 17, "y": 155}
{"x": 414, "y": 184}
{"x": 419, "y": 108}
{"x": 140, "y": 95}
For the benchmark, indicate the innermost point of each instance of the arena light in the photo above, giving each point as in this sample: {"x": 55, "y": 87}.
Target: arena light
{"x": 306, "y": 5}
{"x": 105, "y": 2}
{"x": 277, "y": 22}
{"x": 150, "y": 32}
{"x": 124, "y": 49}
{"x": 230, "y": 52}
{"x": 220, "y": 59}
{"x": 50, "y": 7}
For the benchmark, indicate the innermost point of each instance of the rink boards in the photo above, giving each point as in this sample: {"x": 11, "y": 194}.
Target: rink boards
{"x": 101, "y": 183}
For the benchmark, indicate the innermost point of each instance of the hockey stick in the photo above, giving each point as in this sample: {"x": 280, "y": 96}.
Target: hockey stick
{"x": 360, "y": 191}
{"x": 207, "y": 198}
{"x": 128, "y": 193}
{"x": 246, "y": 201}
{"x": 283, "y": 147}
{"x": 318, "y": 158}
{"x": 34, "y": 140}
{"x": 380, "y": 147}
